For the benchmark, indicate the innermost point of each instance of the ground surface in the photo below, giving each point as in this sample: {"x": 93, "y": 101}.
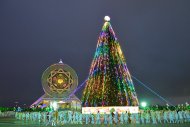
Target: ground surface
{"x": 11, "y": 122}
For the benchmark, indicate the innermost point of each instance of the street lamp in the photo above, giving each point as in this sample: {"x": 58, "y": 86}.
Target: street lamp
{"x": 143, "y": 104}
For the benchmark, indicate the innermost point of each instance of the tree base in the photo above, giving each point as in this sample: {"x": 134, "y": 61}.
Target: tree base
{"x": 108, "y": 109}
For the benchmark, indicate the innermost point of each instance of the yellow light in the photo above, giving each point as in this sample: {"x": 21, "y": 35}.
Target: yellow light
{"x": 119, "y": 50}
{"x": 60, "y": 81}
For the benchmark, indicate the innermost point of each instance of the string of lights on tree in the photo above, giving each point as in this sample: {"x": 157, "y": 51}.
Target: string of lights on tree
{"x": 109, "y": 82}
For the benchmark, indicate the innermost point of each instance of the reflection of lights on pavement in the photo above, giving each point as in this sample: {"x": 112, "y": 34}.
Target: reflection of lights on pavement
{"x": 143, "y": 104}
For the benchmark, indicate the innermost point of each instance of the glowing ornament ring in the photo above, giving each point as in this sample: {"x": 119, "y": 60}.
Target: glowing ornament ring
{"x": 59, "y": 80}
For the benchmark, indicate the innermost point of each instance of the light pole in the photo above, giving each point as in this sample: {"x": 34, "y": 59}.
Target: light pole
{"x": 143, "y": 104}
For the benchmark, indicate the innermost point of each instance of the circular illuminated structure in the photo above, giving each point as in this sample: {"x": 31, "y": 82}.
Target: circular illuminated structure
{"x": 59, "y": 80}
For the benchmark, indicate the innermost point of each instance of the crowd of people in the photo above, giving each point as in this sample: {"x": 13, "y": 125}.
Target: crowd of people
{"x": 7, "y": 114}
{"x": 150, "y": 115}
{"x": 143, "y": 117}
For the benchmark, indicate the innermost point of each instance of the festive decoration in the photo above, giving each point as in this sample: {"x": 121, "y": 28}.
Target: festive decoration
{"x": 109, "y": 82}
{"x": 59, "y": 81}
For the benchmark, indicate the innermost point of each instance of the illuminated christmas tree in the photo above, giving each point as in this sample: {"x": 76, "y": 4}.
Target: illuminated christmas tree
{"x": 109, "y": 82}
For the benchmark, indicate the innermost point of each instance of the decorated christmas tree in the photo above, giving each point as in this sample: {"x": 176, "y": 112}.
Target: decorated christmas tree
{"x": 109, "y": 82}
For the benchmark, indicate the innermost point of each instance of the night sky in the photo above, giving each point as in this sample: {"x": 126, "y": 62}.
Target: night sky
{"x": 154, "y": 36}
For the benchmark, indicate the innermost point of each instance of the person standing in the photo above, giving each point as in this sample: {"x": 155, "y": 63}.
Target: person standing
{"x": 87, "y": 118}
{"x": 69, "y": 117}
{"x": 137, "y": 118}
{"x": 76, "y": 118}
{"x": 147, "y": 117}
{"x": 80, "y": 118}
{"x": 105, "y": 118}
{"x": 171, "y": 116}
{"x": 176, "y": 116}
{"x": 126, "y": 117}
{"x": 153, "y": 116}
{"x": 121, "y": 118}
{"x": 44, "y": 117}
{"x": 165, "y": 116}
{"x": 142, "y": 116}
{"x": 98, "y": 118}
{"x": 110, "y": 119}
{"x": 39, "y": 117}
{"x": 158, "y": 116}
{"x": 180, "y": 117}
{"x": 92, "y": 118}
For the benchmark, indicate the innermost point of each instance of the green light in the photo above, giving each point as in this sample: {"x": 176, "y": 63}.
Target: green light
{"x": 143, "y": 104}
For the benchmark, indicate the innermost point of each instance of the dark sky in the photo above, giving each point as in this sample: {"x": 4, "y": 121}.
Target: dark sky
{"x": 154, "y": 36}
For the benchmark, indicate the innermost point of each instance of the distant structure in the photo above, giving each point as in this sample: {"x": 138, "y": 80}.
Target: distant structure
{"x": 58, "y": 81}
